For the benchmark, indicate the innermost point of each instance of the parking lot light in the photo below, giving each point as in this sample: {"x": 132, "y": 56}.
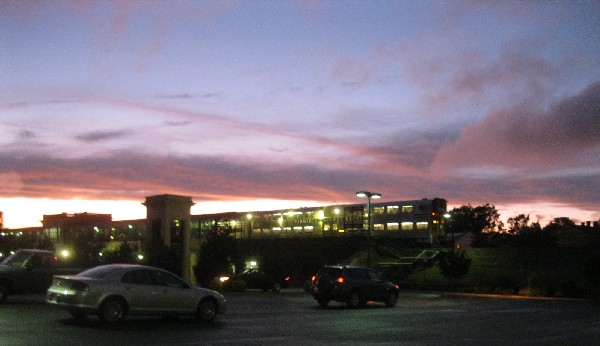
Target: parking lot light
{"x": 369, "y": 195}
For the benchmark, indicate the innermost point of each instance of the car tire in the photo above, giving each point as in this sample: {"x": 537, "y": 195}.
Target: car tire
{"x": 112, "y": 310}
{"x": 354, "y": 300}
{"x": 276, "y": 287}
{"x": 207, "y": 310}
{"x": 323, "y": 302}
{"x": 391, "y": 299}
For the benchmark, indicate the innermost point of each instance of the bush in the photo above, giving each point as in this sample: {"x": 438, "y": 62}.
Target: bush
{"x": 454, "y": 264}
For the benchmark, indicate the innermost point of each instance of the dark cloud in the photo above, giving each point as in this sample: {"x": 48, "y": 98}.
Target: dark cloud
{"x": 526, "y": 138}
{"x": 24, "y": 104}
{"x": 26, "y": 134}
{"x": 99, "y": 136}
{"x": 132, "y": 176}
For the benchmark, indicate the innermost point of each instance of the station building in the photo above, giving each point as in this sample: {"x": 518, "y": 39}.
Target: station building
{"x": 169, "y": 221}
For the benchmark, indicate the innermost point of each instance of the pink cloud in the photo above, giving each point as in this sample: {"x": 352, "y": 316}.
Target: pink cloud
{"x": 525, "y": 137}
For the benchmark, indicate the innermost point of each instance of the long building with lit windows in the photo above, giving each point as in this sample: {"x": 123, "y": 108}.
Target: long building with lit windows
{"x": 415, "y": 219}
{"x": 169, "y": 221}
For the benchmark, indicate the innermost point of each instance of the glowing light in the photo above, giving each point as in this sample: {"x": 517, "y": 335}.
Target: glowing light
{"x": 65, "y": 253}
{"x": 320, "y": 215}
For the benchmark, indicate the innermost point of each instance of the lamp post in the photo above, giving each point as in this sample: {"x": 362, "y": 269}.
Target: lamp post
{"x": 369, "y": 195}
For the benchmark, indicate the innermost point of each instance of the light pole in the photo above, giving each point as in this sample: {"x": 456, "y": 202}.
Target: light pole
{"x": 369, "y": 195}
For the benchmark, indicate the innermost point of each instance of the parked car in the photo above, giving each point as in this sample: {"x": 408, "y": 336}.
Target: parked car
{"x": 29, "y": 271}
{"x": 255, "y": 279}
{"x": 353, "y": 285}
{"x": 116, "y": 290}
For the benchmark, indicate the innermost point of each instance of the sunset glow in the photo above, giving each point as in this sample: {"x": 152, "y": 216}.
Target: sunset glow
{"x": 263, "y": 105}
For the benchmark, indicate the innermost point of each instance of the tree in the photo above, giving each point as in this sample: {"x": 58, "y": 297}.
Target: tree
{"x": 124, "y": 254}
{"x": 217, "y": 255}
{"x": 518, "y": 223}
{"x": 161, "y": 256}
{"x": 476, "y": 220}
{"x": 454, "y": 264}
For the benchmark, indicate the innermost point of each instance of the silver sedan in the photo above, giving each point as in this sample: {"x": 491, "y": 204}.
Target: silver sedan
{"x": 116, "y": 290}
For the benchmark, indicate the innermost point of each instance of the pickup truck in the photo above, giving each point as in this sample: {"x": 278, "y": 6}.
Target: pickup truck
{"x": 29, "y": 271}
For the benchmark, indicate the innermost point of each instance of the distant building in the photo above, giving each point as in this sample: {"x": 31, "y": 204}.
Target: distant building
{"x": 66, "y": 228}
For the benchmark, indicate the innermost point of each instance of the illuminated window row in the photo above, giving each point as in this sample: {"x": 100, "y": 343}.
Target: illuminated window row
{"x": 405, "y": 226}
{"x": 393, "y": 210}
{"x": 295, "y": 228}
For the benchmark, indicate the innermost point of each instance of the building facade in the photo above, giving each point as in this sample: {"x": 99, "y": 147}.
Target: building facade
{"x": 169, "y": 223}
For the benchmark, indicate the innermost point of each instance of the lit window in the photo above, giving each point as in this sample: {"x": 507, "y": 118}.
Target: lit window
{"x": 422, "y": 225}
{"x": 393, "y": 226}
{"x": 407, "y": 226}
{"x": 407, "y": 209}
{"x": 392, "y": 209}
{"x": 378, "y": 210}
{"x": 308, "y": 228}
{"x": 378, "y": 227}
{"x": 297, "y": 228}
{"x": 276, "y": 228}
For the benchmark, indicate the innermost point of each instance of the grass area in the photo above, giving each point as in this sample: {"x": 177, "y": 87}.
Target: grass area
{"x": 534, "y": 271}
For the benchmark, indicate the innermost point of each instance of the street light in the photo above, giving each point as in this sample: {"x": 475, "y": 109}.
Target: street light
{"x": 369, "y": 195}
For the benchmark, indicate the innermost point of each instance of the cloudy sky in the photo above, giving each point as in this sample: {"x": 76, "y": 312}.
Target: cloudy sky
{"x": 254, "y": 105}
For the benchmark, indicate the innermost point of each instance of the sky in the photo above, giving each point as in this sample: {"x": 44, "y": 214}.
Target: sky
{"x": 259, "y": 105}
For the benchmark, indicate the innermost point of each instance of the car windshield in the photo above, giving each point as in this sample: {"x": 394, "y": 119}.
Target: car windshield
{"x": 17, "y": 259}
{"x": 97, "y": 272}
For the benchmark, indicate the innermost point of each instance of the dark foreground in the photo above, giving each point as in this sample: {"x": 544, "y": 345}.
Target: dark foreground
{"x": 294, "y": 318}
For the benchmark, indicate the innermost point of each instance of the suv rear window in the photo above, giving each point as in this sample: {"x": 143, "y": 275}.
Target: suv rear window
{"x": 334, "y": 272}
{"x": 357, "y": 273}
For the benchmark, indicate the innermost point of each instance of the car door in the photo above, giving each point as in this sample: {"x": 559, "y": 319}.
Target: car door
{"x": 141, "y": 291}
{"x": 176, "y": 295}
{"x": 41, "y": 270}
{"x": 377, "y": 287}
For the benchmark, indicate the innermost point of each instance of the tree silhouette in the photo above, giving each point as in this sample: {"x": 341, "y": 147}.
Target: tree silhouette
{"x": 217, "y": 255}
{"x": 454, "y": 264}
{"x": 476, "y": 220}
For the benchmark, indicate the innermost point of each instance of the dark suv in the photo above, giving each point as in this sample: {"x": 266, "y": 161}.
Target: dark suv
{"x": 352, "y": 285}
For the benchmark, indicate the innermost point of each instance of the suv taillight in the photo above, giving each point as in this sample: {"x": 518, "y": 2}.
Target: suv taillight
{"x": 340, "y": 280}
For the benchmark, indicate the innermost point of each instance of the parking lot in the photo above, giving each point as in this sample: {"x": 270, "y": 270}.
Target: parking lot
{"x": 293, "y": 317}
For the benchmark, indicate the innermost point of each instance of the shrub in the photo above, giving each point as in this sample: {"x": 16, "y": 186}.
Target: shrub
{"x": 454, "y": 264}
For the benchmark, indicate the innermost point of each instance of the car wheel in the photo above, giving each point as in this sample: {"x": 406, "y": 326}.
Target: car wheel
{"x": 276, "y": 287}
{"x": 354, "y": 300}
{"x": 3, "y": 292}
{"x": 392, "y": 299}
{"x": 112, "y": 310}
{"x": 207, "y": 310}
{"x": 323, "y": 302}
